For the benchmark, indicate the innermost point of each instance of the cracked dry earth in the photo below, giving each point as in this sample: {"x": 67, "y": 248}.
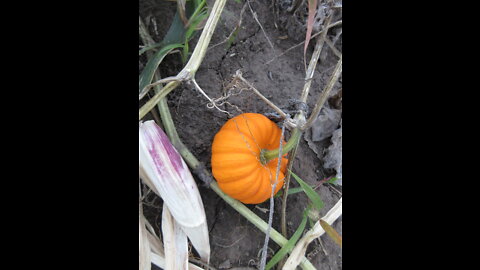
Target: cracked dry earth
{"x": 236, "y": 243}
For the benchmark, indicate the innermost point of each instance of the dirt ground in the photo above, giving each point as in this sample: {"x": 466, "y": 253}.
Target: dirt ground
{"x": 234, "y": 241}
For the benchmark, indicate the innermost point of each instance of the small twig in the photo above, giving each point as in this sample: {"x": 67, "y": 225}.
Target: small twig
{"x": 270, "y": 214}
{"x": 212, "y": 103}
{"x": 299, "y": 44}
{"x": 283, "y": 218}
{"x": 324, "y": 96}
{"x": 332, "y": 46}
{"x": 317, "y": 249}
{"x": 336, "y": 190}
{"x": 335, "y": 39}
{"x": 263, "y": 210}
{"x": 321, "y": 182}
{"x": 142, "y": 30}
{"x": 232, "y": 244}
{"x": 155, "y": 28}
{"x": 147, "y": 88}
{"x": 295, "y": 5}
{"x": 254, "y": 14}
{"x": 278, "y": 110}
{"x": 313, "y": 62}
{"x": 181, "y": 11}
{"x": 323, "y": 247}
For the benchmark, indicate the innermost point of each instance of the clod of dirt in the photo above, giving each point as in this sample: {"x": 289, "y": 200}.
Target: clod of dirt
{"x": 337, "y": 4}
{"x": 333, "y": 158}
{"x": 326, "y": 123}
{"x": 322, "y": 11}
{"x": 225, "y": 265}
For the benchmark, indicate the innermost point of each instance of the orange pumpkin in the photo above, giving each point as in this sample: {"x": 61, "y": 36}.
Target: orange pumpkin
{"x": 236, "y": 158}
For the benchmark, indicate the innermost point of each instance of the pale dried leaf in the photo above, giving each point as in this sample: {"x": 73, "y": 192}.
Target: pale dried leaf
{"x": 333, "y": 158}
{"x": 181, "y": 11}
{"x": 175, "y": 242}
{"x": 144, "y": 247}
{"x": 158, "y": 260}
{"x": 326, "y": 123}
{"x": 155, "y": 241}
{"x": 200, "y": 240}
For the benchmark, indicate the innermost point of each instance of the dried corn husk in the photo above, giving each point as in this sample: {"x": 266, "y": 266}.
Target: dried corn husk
{"x": 156, "y": 252}
{"x": 144, "y": 247}
{"x": 162, "y": 168}
{"x": 175, "y": 242}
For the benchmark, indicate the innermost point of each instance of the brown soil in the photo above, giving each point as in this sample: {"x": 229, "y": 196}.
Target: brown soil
{"x": 234, "y": 241}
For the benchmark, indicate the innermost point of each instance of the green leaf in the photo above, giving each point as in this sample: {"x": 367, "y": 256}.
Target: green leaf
{"x": 289, "y": 246}
{"x": 332, "y": 180}
{"x": 311, "y": 194}
{"x": 331, "y": 232}
{"x": 175, "y": 37}
{"x": 195, "y": 20}
{"x": 151, "y": 47}
{"x": 152, "y": 65}
{"x": 176, "y": 32}
{"x": 290, "y": 191}
{"x": 200, "y": 14}
{"x": 186, "y": 48}
{"x": 198, "y": 2}
{"x": 232, "y": 38}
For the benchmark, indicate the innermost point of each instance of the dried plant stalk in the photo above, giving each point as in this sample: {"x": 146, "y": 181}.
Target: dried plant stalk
{"x": 298, "y": 252}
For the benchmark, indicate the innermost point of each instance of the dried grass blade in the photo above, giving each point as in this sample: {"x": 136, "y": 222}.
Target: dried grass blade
{"x": 181, "y": 11}
{"x": 144, "y": 246}
{"x": 175, "y": 242}
{"x": 312, "y": 7}
{"x": 156, "y": 244}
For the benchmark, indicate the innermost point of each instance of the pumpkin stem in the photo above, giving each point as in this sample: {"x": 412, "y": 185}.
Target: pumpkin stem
{"x": 267, "y": 155}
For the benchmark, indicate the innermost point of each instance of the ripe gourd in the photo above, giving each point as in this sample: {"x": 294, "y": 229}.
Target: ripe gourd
{"x": 236, "y": 163}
